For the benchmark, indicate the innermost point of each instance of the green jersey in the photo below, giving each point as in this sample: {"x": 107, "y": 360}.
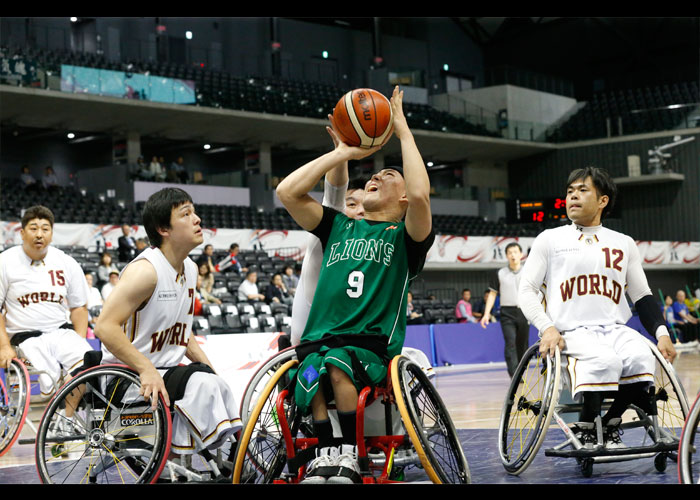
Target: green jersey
{"x": 366, "y": 271}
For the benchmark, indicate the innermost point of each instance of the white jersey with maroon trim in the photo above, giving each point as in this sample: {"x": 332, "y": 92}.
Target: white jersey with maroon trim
{"x": 584, "y": 273}
{"x": 161, "y": 329}
{"x": 38, "y": 295}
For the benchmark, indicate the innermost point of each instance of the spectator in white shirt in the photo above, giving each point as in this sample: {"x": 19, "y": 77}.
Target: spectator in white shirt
{"x": 107, "y": 289}
{"x": 94, "y": 297}
{"x": 248, "y": 289}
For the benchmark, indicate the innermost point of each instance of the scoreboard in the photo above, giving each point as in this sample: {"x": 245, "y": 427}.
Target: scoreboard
{"x": 535, "y": 210}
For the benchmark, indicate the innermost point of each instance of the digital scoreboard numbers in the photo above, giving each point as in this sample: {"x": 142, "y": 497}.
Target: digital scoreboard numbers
{"x": 534, "y": 211}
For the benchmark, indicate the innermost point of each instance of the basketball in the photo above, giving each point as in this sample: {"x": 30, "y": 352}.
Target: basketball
{"x": 363, "y": 118}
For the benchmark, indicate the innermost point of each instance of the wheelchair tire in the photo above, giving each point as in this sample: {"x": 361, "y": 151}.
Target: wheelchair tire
{"x": 671, "y": 401}
{"x": 14, "y": 403}
{"x": 428, "y": 424}
{"x": 261, "y": 453}
{"x": 688, "y": 454}
{"x": 115, "y": 437}
{"x": 528, "y": 409}
{"x": 259, "y": 379}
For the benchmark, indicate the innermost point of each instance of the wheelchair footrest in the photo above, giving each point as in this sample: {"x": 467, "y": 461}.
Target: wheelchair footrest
{"x": 601, "y": 451}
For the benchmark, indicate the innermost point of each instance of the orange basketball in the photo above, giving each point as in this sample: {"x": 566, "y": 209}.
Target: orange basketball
{"x": 363, "y": 118}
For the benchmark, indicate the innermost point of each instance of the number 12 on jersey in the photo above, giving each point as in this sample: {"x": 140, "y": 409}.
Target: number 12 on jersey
{"x": 356, "y": 280}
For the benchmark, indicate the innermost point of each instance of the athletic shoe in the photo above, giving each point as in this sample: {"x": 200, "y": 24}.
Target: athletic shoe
{"x": 612, "y": 433}
{"x": 322, "y": 466}
{"x": 348, "y": 471}
{"x": 585, "y": 432}
{"x": 63, "y": 427}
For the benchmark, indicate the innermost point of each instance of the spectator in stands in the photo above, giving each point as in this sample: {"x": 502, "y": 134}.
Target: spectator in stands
{"x": 178, "y": 172}
{"x": 106, "y": 266}
{"x": 693, "y": 304}
{"x": 463, "y": 311}
{"x": 109, "y": 286}
{"x": 291, "y": 279}
{"x": 94, "y": 297}
{"x": 248, "y": 289}
{"x": 413, "y": 317}
{"x": 207, "y": 277}
{"x": 669, "y": 315}
{"x": 276, "y": 291}
{"x": 204, "y": 295}
{"x": 143, "y": 171}
{"x": 686, "y": 322}
{"x": 49, "y": 181}
{"x": 29, "y": 183}
{"x": 157, "y": 170}
{"x": 479, "y": 306}
{"x": 231, "y": 262}
{"x": 207, "y": 257}
{"x": 127, "y": 245}
{"x": 141, "y": 245}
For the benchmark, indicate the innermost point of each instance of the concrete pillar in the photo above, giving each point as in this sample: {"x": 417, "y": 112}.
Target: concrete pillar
{"x": 133, "y": 147}
{"x": 259, "y": 174}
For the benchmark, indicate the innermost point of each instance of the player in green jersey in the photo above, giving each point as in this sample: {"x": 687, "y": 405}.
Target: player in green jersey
{"x": 357, "y": 320}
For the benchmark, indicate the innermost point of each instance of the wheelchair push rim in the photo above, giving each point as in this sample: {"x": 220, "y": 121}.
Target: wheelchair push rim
{"x": 14, "y": 403}
{"x": 428, "y": 424}
{"x": 528, "y": 409}
{"x": 115, "y": 437}
{"x": 262, "y": 446}
{"x": 260, "y": 378}
{"x": 688, "y": 456}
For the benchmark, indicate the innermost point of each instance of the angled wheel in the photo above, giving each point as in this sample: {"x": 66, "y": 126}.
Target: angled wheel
{"x": 688, "y": 455}
{"x": 114, "y": 437}
{"x": 428, "y": 424}
{"x": 528, "y": 409}
{"x": 671, "y": 400}
{"x": 261, "y": 453}
{"x": 260, "y": 378}
{"x": 14, "y": 403}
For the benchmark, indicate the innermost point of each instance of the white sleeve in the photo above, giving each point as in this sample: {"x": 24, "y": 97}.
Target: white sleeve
{"x": 76, "y": 284}
{"x": 637, "y": 285}
{"x": 3, "y": 280}
{"x": 334, "y": 196}
{"x": 534, "y": 274}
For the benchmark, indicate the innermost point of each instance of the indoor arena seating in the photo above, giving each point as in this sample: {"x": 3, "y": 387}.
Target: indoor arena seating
{"x": 72, "y": 206}
{"x": 248, "y": 93}
{"x": 639, "y": 110}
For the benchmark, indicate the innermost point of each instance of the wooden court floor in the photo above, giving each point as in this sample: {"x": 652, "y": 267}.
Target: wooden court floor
{"x": 473, "y": 395}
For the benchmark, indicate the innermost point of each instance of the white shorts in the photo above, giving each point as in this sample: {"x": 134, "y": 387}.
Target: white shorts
{"x": 55, "y": 353}
{"x": 209, "y": 409}
{"x": 600, "y": 358}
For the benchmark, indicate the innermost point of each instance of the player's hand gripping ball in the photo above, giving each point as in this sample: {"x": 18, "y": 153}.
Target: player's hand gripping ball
{"x": 363, "y": 118}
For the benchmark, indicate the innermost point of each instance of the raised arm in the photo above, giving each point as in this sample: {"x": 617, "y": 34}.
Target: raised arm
{"x": 419, "y": 219}
{"x": 134, "y": 288}
{"x": 294, "y": 190}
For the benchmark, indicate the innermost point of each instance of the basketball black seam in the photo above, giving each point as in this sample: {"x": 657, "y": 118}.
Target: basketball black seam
{"x": 374, "y": 107}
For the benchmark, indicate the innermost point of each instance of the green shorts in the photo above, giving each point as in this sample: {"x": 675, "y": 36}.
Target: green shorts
{"x": 313, "y": 370}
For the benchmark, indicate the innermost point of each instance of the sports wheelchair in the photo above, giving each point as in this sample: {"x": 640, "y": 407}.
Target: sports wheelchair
{"x": 401, "y": 424}
{"x": 115, "y": 436}
{"x": 18, "y": 406}
{"x": 688, "y": 456}
{"x": 533, "y": 401}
